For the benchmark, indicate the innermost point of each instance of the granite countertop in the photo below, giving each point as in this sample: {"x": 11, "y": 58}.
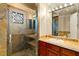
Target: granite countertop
{"x": 69, "y": 44}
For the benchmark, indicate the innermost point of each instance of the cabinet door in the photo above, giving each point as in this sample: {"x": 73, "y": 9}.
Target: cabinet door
{"x": 53, "y": 50}
{"x": 42, "y": 49}
{"x": 67, "y": 52}
{"x": 53, "y": 47}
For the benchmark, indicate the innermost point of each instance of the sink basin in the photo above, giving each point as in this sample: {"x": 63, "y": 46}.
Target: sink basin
{"x": 55, "y": 40}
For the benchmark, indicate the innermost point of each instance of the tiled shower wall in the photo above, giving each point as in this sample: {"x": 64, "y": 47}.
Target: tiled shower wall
{"x": 3, "y": 30}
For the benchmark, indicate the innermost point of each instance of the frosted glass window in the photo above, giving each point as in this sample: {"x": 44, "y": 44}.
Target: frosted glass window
{"x": 17, "y": 17}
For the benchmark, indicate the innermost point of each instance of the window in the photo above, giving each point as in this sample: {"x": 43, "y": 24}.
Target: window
{"x": 17, "y": 17}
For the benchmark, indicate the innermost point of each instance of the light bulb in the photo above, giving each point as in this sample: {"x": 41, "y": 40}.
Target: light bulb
{"x": 53, "y": 9}
{"x": 56, "y": 8}
{"x": 71, "y": 3}
{"x": 65, "y": 5}
{"x": 49, "y": 10}
{"x": 61, "y": 7}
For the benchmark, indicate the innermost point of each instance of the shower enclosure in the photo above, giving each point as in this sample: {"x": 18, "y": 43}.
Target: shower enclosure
{"x": 15, "y": 36}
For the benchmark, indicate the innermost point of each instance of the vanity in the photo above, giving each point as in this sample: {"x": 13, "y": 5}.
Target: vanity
{"x": 52, "y": 47}
{"x": 65, "y": 24}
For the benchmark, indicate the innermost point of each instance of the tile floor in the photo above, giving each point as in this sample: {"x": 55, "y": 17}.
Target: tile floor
{"x": 25, "y": 52}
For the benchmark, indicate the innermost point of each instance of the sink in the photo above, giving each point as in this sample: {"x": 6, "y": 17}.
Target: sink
{"x": 55, "y": 40}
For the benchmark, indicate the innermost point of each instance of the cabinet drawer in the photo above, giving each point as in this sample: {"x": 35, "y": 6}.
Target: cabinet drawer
{"x": 67, "y": 52}
{"x": 53, "y": 47}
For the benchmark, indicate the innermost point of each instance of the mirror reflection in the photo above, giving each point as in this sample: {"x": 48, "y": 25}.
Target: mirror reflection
{"x": 65, "y": 20}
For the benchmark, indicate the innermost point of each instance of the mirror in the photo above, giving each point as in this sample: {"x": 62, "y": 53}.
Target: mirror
{"x": 55, "y": 26}
{"x": 32, "y": 25}
{"x": 65, "y": 22}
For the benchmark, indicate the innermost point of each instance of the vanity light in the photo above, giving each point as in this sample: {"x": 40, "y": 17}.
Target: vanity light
{"x": 60, "y": 6}
{"x": 65, "y": 5}
{"x": 56, "y": 8}
{"x": 53, "y": 9}
{"x": 71, "y": 3}
{"x": 49, "y": 10}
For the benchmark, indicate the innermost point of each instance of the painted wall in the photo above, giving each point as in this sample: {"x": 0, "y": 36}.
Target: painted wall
{"x": 73, "y": 26}
{"x": 45, "y": 20}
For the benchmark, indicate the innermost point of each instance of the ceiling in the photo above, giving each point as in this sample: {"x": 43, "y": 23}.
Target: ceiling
{"x": 31, "y": 5}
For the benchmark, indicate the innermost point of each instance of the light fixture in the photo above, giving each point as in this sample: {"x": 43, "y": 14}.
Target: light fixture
{"x": 49, "y": 10}
{"x": 60, "y": 6}
{"x": 56, "y": 8}
{"x": 65, "y": 5}
{"x": 53, "y": 9}
{"x": 71, "y": 3}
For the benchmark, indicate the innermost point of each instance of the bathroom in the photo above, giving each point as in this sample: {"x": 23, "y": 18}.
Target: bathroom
{"x": 39, "y": 29}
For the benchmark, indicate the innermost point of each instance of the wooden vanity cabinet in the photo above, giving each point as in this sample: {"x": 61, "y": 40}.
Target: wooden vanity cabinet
{"x": 46, "y": 49}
